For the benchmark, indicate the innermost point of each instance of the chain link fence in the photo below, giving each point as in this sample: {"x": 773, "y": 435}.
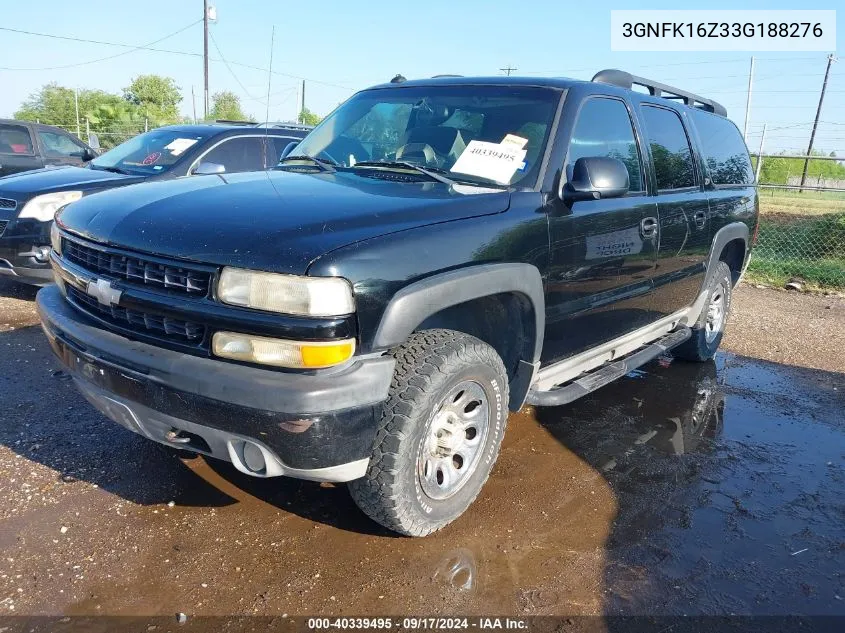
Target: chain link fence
{"x": 801, "y": 238}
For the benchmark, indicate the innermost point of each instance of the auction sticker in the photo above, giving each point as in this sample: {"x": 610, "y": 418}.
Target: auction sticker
{"x": 179, "y": 145}
{"x": 495, "y": 161}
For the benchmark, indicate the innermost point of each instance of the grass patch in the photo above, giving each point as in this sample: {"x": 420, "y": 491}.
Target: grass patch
{"x": 819, "y": 273}
{"x": 805, "y": 246}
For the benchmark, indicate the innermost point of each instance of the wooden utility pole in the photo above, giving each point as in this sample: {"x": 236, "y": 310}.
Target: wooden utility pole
{"x": 205, "y": 53}
{"x": 830, "y": 60}
{"x": 508, "y": 70}
{"x": 302, "y": 109}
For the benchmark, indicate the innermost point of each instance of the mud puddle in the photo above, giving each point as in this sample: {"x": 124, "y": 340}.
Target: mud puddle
{"x": 713, "y": 488}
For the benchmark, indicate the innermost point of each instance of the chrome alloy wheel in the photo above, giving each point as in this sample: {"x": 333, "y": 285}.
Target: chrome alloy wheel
{"x": 451, "y": 446}
{"x": 715, "y": 321}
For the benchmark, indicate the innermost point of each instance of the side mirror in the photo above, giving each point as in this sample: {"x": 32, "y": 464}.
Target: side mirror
{"x": 596, "y": 178}
{"x": 288, "y": 149}
{"x": 205, "y": 168}
{"x": 93, "y": 140}
{"x": 88, "y": 154}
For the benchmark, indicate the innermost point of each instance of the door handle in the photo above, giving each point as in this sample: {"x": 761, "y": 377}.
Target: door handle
{"x": 700, "y": 217}
{"x": 648, "y": 227}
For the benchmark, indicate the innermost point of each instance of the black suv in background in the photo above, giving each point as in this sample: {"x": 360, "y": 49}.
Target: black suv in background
{"x": 29, "y": 200}
{"x": 25, "y": 145}
{"x": 432, "y": 255}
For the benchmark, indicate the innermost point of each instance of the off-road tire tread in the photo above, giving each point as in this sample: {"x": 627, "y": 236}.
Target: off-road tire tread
{"x": 378, "y": 494}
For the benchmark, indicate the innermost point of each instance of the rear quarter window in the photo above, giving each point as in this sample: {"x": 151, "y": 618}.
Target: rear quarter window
{"x": 15, "y": 139}
{"x": 723, "y": 150}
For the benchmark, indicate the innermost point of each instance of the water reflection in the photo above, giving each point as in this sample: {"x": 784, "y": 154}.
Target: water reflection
{"x": 552, "y": 556}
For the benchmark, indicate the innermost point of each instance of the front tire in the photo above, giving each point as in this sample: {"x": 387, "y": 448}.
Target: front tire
{"x": 708, "y": 329}
{"x": 439, "y": 434}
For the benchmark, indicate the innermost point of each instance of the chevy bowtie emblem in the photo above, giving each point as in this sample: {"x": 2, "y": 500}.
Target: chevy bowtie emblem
{"x": 102, "y": 291}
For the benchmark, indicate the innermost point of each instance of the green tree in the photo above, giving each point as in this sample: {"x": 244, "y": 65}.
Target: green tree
{"x": 307, "y": 117}
{"x": 155, "y": 96}
{"x": 227, "y": 105}
{"x": 113, "y": 118}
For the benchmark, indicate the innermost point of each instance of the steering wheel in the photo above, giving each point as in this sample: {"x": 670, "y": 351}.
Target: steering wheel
{"x": 423, "y": 150}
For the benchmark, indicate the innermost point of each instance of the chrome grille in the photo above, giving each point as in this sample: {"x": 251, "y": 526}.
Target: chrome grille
{"x": 7, "y": 203}
{"x": 146, "y": 323}
{"x": 137, "y": 270}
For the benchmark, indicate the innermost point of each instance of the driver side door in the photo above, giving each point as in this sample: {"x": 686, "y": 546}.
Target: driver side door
{"x": 603, "y": 252}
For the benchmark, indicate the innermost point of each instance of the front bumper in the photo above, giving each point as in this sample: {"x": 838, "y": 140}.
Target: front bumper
{"x": 318, "y": 426}
{"x": 21, "y": 254}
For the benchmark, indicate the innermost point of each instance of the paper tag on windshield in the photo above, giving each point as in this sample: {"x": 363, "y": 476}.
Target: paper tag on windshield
{"x": 179, "y": 145}
{"x": 513, "y": 139}
{"x": 495, "y": 161}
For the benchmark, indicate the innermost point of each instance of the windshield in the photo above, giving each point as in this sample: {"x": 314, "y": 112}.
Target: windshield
{"x": 153, "y": 152}
{"x": 485, "y": 135}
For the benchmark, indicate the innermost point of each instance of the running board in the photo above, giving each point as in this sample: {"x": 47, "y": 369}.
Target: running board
{"x": 608, "y": 373}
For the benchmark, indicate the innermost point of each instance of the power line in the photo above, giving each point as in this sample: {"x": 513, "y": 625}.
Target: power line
{"x": 149, "y": 47}
{"x": 696, "y": 63}
{"x": 232, "y": 72}
{"x": 131, "y": 48}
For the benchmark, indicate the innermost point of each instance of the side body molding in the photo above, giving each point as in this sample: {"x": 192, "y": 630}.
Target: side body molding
{"x": 416, "y": 302}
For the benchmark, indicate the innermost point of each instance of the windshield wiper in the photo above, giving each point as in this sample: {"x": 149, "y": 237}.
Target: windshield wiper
{"x": 323, "y": 163}
{"x": 114, "y": 170}
{"x": 401, "y": 164}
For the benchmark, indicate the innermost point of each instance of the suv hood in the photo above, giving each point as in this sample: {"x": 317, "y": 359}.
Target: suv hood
{"x": 277, "y": 221}
{"x": 27, "y": 184}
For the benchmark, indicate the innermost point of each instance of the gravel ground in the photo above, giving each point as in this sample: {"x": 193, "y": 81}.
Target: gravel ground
{"x": 784, "y": 326}
{"x": 705, "y": 488}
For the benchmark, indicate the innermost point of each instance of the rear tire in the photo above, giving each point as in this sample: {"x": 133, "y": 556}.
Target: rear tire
{"x": 708, "y": 329}
{"x": 439, "y": 435}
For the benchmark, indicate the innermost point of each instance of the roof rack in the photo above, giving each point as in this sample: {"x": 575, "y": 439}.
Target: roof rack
{"x": 626, "y": 80}
{"x": 234, "y": 122}
{"x": 285, "y": 125}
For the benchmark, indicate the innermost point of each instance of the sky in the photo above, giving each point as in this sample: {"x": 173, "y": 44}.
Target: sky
{"x": 339, "y": 47}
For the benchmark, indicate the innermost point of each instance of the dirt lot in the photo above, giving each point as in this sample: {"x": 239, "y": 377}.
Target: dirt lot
{"x": 710, "y": 489}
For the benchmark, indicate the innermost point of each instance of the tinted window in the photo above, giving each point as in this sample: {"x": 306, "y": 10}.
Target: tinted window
{"x": 724, "y": 150}
{"x": 604, "y": 129}
{"x": 59, "y": 145}
{"x": 670, "y": 150}
{"x": 14, "y": 139}
{"x": 238, "y": 154}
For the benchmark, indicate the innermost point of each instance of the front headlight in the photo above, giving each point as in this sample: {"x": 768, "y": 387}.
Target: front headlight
{"x": 287, "y": 294}
{"x": 56, "y": 239}
{"x": 44, "y": 207}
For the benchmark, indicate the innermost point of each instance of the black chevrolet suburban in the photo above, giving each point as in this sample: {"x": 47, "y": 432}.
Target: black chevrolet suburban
{"x": 434, "y": 254}
{"x": 29, "y": 200}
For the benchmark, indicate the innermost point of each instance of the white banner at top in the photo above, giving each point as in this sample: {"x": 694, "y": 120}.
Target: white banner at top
{"x": 723, "y": 30}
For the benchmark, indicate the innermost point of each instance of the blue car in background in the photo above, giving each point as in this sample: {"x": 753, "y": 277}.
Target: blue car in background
{"x": 29, "y": 200}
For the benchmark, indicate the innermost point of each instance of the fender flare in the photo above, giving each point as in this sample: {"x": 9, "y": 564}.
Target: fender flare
{"x": 416, "y": 302}
{"x": 728, "y": 233}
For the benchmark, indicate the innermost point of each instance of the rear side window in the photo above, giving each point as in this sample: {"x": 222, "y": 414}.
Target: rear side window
{"x": 604, "y": 130}
{"x": 670, "y": 149}
{"x": 15, "y": 139}
{"x": 724, "y": 150}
